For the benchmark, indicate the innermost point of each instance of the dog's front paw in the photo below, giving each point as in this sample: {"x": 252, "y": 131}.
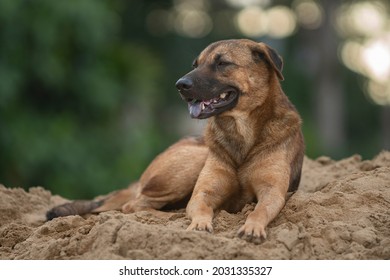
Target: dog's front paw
{"x": 252, "y": 232}
{"x": 201, "y": 225}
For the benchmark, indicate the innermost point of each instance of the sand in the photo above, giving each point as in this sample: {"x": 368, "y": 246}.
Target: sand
{"x": 341, "y": 211}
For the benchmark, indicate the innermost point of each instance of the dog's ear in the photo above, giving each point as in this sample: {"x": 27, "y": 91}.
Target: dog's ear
{"x": 264, "y": 52}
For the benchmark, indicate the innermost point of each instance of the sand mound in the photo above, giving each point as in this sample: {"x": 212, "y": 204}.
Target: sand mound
{"x": 342, "y": 211}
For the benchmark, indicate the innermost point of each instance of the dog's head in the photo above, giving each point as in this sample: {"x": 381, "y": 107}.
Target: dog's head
{"x": 229, "y": 74}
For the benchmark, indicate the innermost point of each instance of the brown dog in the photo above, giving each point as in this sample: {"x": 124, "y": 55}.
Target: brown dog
{"x": 252, "y": 149}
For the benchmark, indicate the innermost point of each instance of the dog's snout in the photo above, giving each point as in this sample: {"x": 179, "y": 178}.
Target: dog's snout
{"x": 184, "y": 84}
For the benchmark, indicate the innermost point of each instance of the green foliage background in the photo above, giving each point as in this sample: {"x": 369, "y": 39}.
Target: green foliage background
{"x": 67, "y": 78}
{"x": 87, "y": 96}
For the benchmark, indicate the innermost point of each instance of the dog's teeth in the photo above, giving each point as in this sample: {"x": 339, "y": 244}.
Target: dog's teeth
{"x": 223, "y": 95}
{"x": 203, "y": 106}
{"x": 215, "y": 101}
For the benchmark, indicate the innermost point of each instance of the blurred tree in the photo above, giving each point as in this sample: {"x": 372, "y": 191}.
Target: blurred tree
{"x": 71, "y": 88}
{"x": 330, "y": 103}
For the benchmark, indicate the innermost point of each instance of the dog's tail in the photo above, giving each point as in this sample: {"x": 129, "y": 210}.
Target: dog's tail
{"x": 78, "y": 207}
{"x": 113, "y": 201}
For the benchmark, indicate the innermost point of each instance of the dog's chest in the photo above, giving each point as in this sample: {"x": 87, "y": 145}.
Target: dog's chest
{"x": 233, "y": 136}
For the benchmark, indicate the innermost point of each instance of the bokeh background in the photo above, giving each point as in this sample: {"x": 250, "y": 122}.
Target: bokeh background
{"x": 87, "y": 94}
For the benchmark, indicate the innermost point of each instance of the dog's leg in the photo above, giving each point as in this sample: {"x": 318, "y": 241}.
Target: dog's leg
{"x": 216, "y": 182}
{"x": 270, "y": 204}
{"x": 148, "y": 204}
{"x": 270, "y": 183}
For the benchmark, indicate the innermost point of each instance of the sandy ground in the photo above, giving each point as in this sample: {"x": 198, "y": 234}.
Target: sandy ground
{"x": 341, "y": 211}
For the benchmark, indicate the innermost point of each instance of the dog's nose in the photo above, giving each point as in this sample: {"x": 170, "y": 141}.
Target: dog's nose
{"x": 184, "y": 84}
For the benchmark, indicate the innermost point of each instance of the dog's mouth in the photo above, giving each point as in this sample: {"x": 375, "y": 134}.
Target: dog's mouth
{"x": 203, "y": 109}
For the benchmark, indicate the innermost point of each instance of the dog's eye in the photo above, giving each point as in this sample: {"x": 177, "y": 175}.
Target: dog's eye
{"x": 223, "y": 63}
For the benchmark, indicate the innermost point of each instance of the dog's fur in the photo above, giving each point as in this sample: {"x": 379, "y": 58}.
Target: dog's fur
{"x": 252, "y": 148}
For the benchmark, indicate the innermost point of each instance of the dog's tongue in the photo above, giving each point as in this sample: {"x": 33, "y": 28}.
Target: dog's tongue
{"x": 195, "y": 109}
